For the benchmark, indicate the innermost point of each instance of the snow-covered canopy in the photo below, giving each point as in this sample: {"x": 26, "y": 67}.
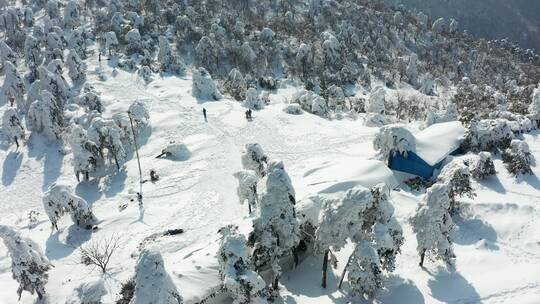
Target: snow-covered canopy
{"x": 345, "y": 173}
{"x": 436, "y": 142}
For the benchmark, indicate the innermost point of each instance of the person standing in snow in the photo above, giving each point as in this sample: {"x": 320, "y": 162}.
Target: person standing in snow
{"x": 204, "y": 114}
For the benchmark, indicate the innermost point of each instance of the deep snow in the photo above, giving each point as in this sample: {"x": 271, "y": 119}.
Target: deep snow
{"x": 497, "y": 243}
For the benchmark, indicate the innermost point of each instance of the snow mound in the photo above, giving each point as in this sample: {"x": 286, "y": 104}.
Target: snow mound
{"x": 177, "y": 151}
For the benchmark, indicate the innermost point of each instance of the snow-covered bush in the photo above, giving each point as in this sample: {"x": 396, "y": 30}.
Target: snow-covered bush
{"x": 311, "y": 102}
{"x": 76, "y": 67}
{"x": 517, "y": 158}
{"x": 336, "y": 99}
{"x": 86, "y": 154}
{"x": 487, "y": 135}
{"x": 253, "y": 100}
{"x": 60, "y": 199}
{"x": 456, "y": 176}
{"x": 152, "y": 282}
{"x": 140, "y": 115}
{"x": 203, "y": 86}
{"x": 107, "y": 135}
{"x": 12, "y": 126}
{"x": 255, "y": 159}
{"x": 393, "y": 139}
{"x": 482, "y": 166}
{"x": 375, "y": 102}
{"x": 91, "y": 101}
{"x": 88, "y": 293}
{"x": 293, "y": 109}
{"x": 450, "y": 114}
{"x": 247, "y": 187}
{"x": 176, "y": 151}
{"x": 44, "y": 116}
{"x": 145, "y": 73}
{"x": 235, "y": 85}
{"x": 29, "y": 266}
{"x": 276, "y": 232}
{"x": 236, "y": 270}
{"x": 433, "y": 224}
{"x": 13, "y": 88}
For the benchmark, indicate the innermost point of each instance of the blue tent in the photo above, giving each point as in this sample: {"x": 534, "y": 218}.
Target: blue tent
{"x": 432, "y": 147}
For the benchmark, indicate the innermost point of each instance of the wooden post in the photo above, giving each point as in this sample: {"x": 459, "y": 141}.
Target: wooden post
{"x": 137, "y": 153}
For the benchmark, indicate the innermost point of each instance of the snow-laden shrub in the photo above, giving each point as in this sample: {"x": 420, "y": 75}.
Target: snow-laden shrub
{"x": 375, "y": 102}
{"x": 235, "y": 85}
{"x": 88, "y": 293}
{"x": 450, "y": 114}
{"x": 134, "y": 42}
{"x": 517, "y": 158}
{"x": 427, "y": 85}
{"x": 60, "y": 199}
{"x": 377, "y": 120}
{"x": 247, "y": 187}
{"x": 29, "y": 266}
{"x": 86, "y": 154}
{"x": 336, "y": 99}
{"x": 44, "y": 116}
{"x": 253, "y": 100}
{"x": 176, "y": 151}
{"x": 276, "y": 232}
{"x": 139, "y": 115}
{"x": 236, "y": 270}
{"x": 203, "y": 86}
{"x": 393, "y": 139}
{"x": 13, "y": 87}
{"x": 76, "y": 67}
{"x": 487, "y": 135}
{"x": 311, "y": 102}
{"x": 152, "y": 282}
{"x": 91, "y": 101}
{"x": 12, "y": 126}
{"x": 255, "y": 159}
{"x": 433, "y": 224}
{"x": 456, "y": 176}
{"x": 293, "y": 109}
{"x": 145, "y": 73}
{"x": 517, "y": 123}
{"x": 482, "y": 166}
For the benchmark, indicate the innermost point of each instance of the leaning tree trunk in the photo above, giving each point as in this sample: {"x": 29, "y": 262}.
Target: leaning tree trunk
{"x": 422, "y": 256}
{"x": 345, "y": 270}
{"x": 324, "y": 268}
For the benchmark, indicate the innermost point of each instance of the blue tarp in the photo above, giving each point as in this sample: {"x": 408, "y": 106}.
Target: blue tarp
{"x": 412, "y": 164}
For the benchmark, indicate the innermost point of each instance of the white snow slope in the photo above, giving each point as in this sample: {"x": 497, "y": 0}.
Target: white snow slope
{"x": 497, "y": 244}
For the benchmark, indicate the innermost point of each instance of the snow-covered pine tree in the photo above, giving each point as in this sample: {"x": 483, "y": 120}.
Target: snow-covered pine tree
{"x": 432, "y": 225}
{"x": 86, "y": 154}
{"x": 235, "y": 85}
{"x": 205, "y": 54}
{"x": 247, "y": 187}
{"x": 276, "y": 232}
{"x": 457, "y": 177}
{"x": 169, "y": 61}
{"x": 76, "y": 40}
{"x": 51, "y": 80}
{"x": 482, "y": 166}
{"x": 60, "y": 199}
{"x": 365, "y": 277}
{"x": 13, "y": 88}
{"x": 336, "y": 99}
{"x": 488, "y": 135}
{"x": 375, "y": 102}
{"x": 7, "y": 54}
{"x": 29, "y": 265}
{"x": 236, "y": 270}
{"x": 255, "y": 159}
{"x": 108, "y": 136}
{"x": 152, "y": 282}
{"x": 140, "y": 116}
{"x": 111, "y": 42}
{"x": 393, "y": 139}
{"x": 253, "y": 100}
{"x": 71, "y": 14}
{"x": 32, "y": 56}
{"x": 44, "y": 116}
{"x": 76, "y": 67}
{"x": 203, "y": 86}
{"x": 517, "y": 158}
{"x": 12, "y": 126}
{"x": 134, "y": 42}
{"x": 534, "y": 107}
{"x": 91, "y": 101}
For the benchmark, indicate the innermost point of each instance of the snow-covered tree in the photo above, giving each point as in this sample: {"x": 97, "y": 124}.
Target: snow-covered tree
{"x": 33, "y": 56}
{"x": 111, "y": 42}
{"x": 534, "y": 107}
{"x": 51, "y": 80}
{"x": 331, "y": 50}
{"x": 71, "y": 14}
{"x": 140, "y": 115}
{"x": 170, "y": 62}
{"x": 76, "y": 40}
{"x": 206, "y": 54}
{"x": 152, "y": 282}
{"x": 86, "y": 154}
{"x": 517, "y": 158}
{"x": 457, "y": 178}
{"x": 393, "y": 139}
{"x": 365, "y": 277}
{"x": 91, "y": 101}
{"x": 450, "y": 114}
{"x": 88, "y": 292}
{"x": 7, "y": 54}
{"x": 106, "y": 134}
{"x": 482, "y": 166}
{"x": 253, "y": 100}
{"x": 203, "y": 86}
{"x": 29, "y": 265}
{"x": 54, "y": 46}
{"x": 236, "y": 270}
{"x": 12, "y": 126}
{"x": 247, "y": 187}
{"x": 276, "y": 232}
{"x": 134, "y": 42}
{"x": 487, "y": 135}
{"x": 255, "y": 159}
{"x": 13, "y": 87}
{"x": 235, "y": 85}
{"x": 45, "y": 116}
{"x": 336, "y": 99}
{"x": 375, "y": 102}
{"x": 311, "y": 102}
{"x": 77, "y": 68}
{"x": 60, "y": 199}
{"x": 433, "y": 224}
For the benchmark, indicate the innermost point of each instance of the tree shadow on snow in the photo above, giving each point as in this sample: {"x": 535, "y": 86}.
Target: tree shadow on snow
{"x": 55, "y": 249}
{"x": 89, "y": 190}
{"x": 400, "y": 289}
{"x": 11, "y": 165}
{"x": 452, "y": 287}
{"x": 532, "y": 180}
{"x": 41, "y": 148}
{"x": 494, "y": 184}
{"x": 474, "y": 230}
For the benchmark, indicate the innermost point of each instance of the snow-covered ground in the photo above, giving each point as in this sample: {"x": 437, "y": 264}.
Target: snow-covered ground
{"x": 497, "y": 243}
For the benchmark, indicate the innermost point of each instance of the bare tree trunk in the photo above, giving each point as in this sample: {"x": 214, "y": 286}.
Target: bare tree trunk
{"x": 345, "y": 270}
{"x": 324, "y": 268}
{"x": 422, "y": 256}
{"x": 275, "y": 283}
